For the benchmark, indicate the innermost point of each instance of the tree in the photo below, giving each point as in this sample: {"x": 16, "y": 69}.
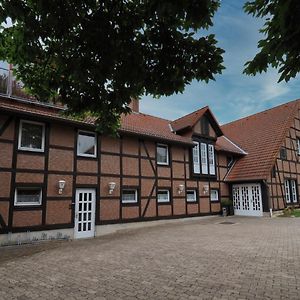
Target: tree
{"x": 281, "y": 47}
{"x": 98, "y": 55}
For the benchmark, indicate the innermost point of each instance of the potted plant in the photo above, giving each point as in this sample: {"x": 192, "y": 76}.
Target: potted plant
{"x": 227, "y": 205}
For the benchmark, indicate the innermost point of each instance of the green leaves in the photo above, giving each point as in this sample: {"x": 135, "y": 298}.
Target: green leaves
{"x": 95, "y": 56}
{"x": 281, "y": 46}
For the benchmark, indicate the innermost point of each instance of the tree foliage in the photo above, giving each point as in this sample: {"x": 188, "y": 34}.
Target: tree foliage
{"x": 97, "y": 55}
{"x": 281, "y": 46}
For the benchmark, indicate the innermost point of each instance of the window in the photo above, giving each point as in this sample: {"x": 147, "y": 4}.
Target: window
{"x": 290, "y": 186}
{"x": 230, "y": 161}
{"x": 214, "y": 195}
{"x": 86, "y": 144}
{"x": 162, "y": 154}
{"x": 298, "y": 146}
{"x": 205, "y": 126}
{"x": 28, "y": 196}
{"x": 204, "y": 166}
{"x": 129, "y": 196}
{"x": 204, "y": 156}
{"x": 274, "y": 172}
{"x": 191, "y": 196}
{"x": 283, "y": 154}
{"x": 31, "y": 136}
{"x": 163, "y": 196}
{"x": 211, "y": 160}
{"x": 196, "y": 157}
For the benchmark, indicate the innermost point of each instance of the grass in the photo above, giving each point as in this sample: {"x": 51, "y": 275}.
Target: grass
{"x": 290, "y": 212}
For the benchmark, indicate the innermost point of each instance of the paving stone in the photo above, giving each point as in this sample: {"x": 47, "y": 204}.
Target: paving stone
{"x": 255, "y": 258}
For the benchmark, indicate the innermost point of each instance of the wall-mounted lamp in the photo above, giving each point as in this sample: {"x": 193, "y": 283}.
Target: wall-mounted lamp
{"x": 111, "y": 187}
{"x": 61, "y": 186}
{"x": 180, "y": 188}
{"x": 205, "y": 189}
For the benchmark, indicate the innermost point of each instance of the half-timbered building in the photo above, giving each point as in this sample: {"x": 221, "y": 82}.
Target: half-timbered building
{"x": 58, "y": 176}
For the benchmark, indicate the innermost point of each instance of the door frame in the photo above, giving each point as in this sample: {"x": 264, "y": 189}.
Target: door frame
{"x": 90, "y": 233}
{"x": 250, "y": 212}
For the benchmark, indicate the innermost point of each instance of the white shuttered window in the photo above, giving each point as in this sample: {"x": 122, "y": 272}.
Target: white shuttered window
{"x": 196, "y": 159}
{"x": 204, "y": 165}
{"x": 211, "y": 160}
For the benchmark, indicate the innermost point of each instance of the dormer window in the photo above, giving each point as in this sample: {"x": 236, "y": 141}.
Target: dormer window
{"x": 204, "y": 158}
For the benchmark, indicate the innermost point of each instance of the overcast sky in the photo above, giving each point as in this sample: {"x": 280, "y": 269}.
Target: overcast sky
{"x": 233, "y": 95}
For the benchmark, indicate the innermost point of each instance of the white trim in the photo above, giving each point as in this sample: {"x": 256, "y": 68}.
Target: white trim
{"x": 195, "y": 196}
{"x": 298, "y": 145}
{"x": 27, "y": 203}
{"x": 163, "y": 191}
{"x": 95, "y": 145}
{"x": 204, "y": 158}
{"x": 162, "y": 163}
{"x": 211, "y": 159}
{"x": 84, "y": 232}
{"x": 217, "y": 194}
{"x": 170, "y": 126}
{"x": 196, "y": 154}
{"x": 130, "y": 201}
{"x": 20, "y": 136}
{"x": 244, "y": 152}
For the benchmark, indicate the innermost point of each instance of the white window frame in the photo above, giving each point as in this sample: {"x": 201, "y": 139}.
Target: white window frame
{"x": 211, "y": 159}
{"x": 130, "y": 201}
{"x": 163, "y": 201}
{"x": 195, "y": 195}
{"x": 20, "y": 147}
{"x": 196, "y": 157}
{"x": 214, "y": 199}
{"x": 87, "y": 133}
{"x": 204, "y": 158}
{"x": 287, "y": 191}
{"x": 28, "y": 203}
{"x": 162, "y": 163}
{"x": 294, "y": 190}
{"x": 298, "y": 145}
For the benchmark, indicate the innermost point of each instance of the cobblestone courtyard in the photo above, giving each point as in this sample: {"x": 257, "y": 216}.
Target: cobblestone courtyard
{"x": 254, "y": 258}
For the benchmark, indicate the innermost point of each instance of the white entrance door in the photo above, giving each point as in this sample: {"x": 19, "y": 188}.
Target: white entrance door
{"x": 247, "y": 199}
{"x": 85, "y": 213}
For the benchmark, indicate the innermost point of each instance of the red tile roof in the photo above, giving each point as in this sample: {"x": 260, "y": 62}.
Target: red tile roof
{"x": 188, "y": 120}
{"x": 151, "y": 126}
{"x": 226, "y": 145}
{"x": 261, "y": 136}
{"x": 135, "y": 123}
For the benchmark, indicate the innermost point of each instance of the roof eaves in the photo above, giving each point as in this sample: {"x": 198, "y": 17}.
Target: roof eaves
{"x": 235, "y": 145}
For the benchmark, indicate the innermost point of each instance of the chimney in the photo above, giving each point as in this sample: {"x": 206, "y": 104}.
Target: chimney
{"x": 135, "y": 105}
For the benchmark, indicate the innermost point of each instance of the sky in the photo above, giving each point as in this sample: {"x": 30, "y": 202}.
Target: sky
{"x": 233, "y": 95}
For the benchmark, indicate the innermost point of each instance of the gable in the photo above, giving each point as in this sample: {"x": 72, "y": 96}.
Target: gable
{"x": 204, "y": 127}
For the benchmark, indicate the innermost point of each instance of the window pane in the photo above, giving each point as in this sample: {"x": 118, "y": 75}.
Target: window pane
{"x": 129, "y": 196}
{"x": 163, "y": 196}
{"x": 162, "y": 154}
{"x": 32, "y": 136}
{"x": 211, "y": 158}
{"x": 28, "y": 196}
{"x": 86, "y": 144}
{"x": 298, "y": 146}
{"x": 196, "y": 158}
{"x": 214, "y": 195}
{"x": 287, "y": 191}
{"x": 191, "y": 196}
{"x": 294, "y": 191}
{"x": 204, "y": 158}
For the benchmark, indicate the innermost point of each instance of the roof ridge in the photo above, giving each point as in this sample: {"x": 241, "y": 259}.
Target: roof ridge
{"x": 261, "y": 112}
{"x": 206, "y": 106}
